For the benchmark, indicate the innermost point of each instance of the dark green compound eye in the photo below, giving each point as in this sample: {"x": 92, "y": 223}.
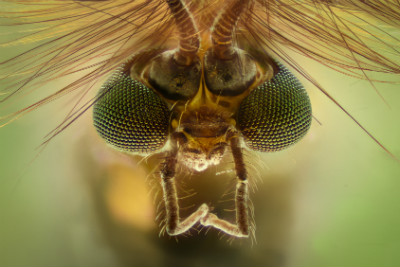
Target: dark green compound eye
{"x": 130, "y": 116}
{"x": 276, "y": 114}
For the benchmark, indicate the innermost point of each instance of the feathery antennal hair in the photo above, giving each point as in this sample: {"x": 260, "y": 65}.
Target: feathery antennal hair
{"x": 340, "y": 34}
{"x": 88, "y": 37}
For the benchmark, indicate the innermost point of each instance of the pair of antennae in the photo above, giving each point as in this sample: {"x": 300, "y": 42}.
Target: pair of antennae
{"x": 222, "y": 34}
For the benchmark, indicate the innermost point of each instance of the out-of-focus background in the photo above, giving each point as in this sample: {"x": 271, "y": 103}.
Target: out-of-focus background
{"x": 330, "y": 200}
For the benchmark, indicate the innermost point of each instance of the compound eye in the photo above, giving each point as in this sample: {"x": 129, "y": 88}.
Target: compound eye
{"x": 130, "y": 116}
{"x": 276, "y": 114}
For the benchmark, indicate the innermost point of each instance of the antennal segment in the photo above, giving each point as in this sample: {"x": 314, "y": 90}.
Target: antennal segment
{"x": 189, "y": 42}
{"x": 222, "y": 34}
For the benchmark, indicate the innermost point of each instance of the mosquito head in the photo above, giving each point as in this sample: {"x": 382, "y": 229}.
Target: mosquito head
{"x": 203, "y": 93}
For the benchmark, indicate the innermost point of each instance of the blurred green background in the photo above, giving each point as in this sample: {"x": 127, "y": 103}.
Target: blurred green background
{"x": 331, "y": 200}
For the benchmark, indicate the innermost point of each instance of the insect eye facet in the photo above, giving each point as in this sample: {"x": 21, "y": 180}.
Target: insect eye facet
{"x": 130, "y": 116}
{"x": 276, "y": 114}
